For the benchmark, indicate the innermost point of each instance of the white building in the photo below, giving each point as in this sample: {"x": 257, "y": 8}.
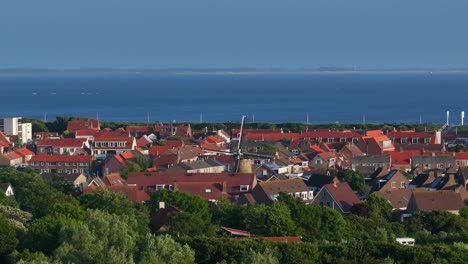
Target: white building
{"x": 12, "y": 126}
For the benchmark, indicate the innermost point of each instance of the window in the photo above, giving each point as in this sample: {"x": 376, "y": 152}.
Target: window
{"x": 304, "y": 195}
{"x": 440, "y": 166}
{"x": 355, "y": 140}
{"x": 404, "y": 140}
{"x": 330, "y": 139}
{"x": 311, "y": 195}
{"x": 159, "y": 187}
{"x": 402, "y": 184}
{"x": 207, "y": 190}
{"x": 427, "y": 166}
{"x": 328, "y": 204}
{"x": 244, "y": 188}
{"x": 297, "y": 195}
{"x": 321, "y": 203}
{"x": 393, "y": 184}
{"x": 342, "y": 139}
{"x": 427, "y": 140}
{"x": 392, "y": 139}
{"x": 414, "y": 140}
{"x": 318, "y": 161}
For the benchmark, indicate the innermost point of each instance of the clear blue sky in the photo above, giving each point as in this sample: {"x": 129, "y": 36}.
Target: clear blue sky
{"x": 236, "y": 33}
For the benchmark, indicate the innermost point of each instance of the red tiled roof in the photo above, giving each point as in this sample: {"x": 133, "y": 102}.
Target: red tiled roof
{"x": 113, "y": 179}
{"x": 316, "y": 149}
{"x": 143, "y": 141}
{"x": 461, "y": 155}
{"x": 329, "y": 134}
{"x": 284, "y": 239}
{"x": 127, "y": 155}
{"x": 236, "y": 232}
{"x": 403, "y": 157}
{"x": 24, "y": 152}
{"x": 399, "y": 198}
{"x": 233, "y": 181}
{"x": 207, "y": 190}
{"x": 82, "y": 124}
{"x": 63, "y": 142}
{"x": 272, "y": 136}
{"x": 214, "y": 140}
{"x": 12, "y": 155}
{"x": 343, "y": 195}
{"x": 438, "y": 200}
{"x": 60, "y": 158}
{"x": 158, "y": 150}
{"x": 132, "y": 192}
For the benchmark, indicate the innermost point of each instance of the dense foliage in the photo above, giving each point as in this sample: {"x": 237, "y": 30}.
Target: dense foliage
{"x": 45, "y": 224}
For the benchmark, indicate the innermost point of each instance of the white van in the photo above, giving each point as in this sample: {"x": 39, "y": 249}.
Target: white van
{"x": 407, "y": 241}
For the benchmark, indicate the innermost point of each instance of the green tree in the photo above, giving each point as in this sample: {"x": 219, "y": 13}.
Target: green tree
{"x": 355, "y": 179}
{"x": 267, "y": 257}
{"x": 272, "y": 220}
{"x": 102, "y": 238}
{"x": 163, "y": 249}
{"x": 8, "y": 240}
{"x": 379, "y": 208}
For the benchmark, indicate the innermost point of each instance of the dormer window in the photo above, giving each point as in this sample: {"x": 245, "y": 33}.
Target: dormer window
{"x": 208, "y": 190}
{"x": 244, "y": 188}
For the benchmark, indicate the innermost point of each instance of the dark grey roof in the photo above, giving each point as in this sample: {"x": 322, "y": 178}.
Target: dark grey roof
{"x": 433, "y": 159}
{"x": 370, "y": 160}
{"x": 200, "y": 164}
{"x": 70, "y": 177}
{"x": 4, "y": 186}
{"x": 319, "y": 180}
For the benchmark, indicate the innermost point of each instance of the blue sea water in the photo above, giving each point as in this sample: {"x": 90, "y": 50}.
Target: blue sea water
{"x": 401, "y": 97}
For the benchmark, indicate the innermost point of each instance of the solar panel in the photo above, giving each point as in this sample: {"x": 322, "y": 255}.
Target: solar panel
{"x": 390, "y": 175}
{"x": 435, "y": 182}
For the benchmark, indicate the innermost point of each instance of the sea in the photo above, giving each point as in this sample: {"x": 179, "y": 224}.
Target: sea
{"x": 186, "y": 96}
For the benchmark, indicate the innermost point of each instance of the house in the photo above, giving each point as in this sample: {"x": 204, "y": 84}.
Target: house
{"x": 115, "y": 163}
{"x": 167, "y": 145}
{"x": 317, "y": 181}
{"x": 350, "y": 150}
{"x": 152, "y": 181}
{"x": 77, "y": 180}
{"x": 368, "y": 164}
{"x": 198, "y": 166}
{"x": 323, "y": 160}
{"x": 164, "y": 131}
{"x": 423, "y": 180}
{"x": 391, "y": 180}
{"x": 413, "y": 137}
{"x": 399, "y": 198}
{"x": 319, "y": 136}
{"x": 61, "y": 164}
{"x": 267, "y": 170}
{"x": 104, "y": 146}
{"x": 38, "y": 136}
{"x": 83, "y": 124}
{"x": 267, "y": 192}
{"x": 236, "y": 232}
{"x": 401, "y": 160}
{"x": 174, "y": 156}
{"x": 461, "y": 158}
{"x": 7, "y": 189}
{"x": 113, "y": 179}
{"x": 462, "y": 175}
{"x": 425, "y": 163}
{"x": 338, "y": 196}
{"x": 62, "y": 146}
{"x": 443, "y": 200}
{"x": 5, "y": 143}
{"x": 375, "y": 143}
{"x": 25, "y": 153}
{"x": 11, "y": 159}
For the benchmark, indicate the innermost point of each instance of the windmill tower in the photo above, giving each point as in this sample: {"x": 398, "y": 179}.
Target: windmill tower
{"x": 242, "y": 163}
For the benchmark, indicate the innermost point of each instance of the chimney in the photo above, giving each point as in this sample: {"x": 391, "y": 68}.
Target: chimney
{"x": 224, "y": 187}
{"x": 335, "y": 181}
{"x": 162, "y": 205}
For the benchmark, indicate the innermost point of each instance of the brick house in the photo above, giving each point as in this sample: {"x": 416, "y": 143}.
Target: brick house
{"x": 338, "y": 196}
{"x": 61, "y": 164}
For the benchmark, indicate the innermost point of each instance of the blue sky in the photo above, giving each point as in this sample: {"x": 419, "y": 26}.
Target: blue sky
{"x": 370, "y": 34}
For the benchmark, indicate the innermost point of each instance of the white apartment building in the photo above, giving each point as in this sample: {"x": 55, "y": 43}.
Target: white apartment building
{"x": 12, "y": 126}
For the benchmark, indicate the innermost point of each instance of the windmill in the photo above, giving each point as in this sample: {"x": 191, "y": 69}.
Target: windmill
{"x": 241, "y": 158}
